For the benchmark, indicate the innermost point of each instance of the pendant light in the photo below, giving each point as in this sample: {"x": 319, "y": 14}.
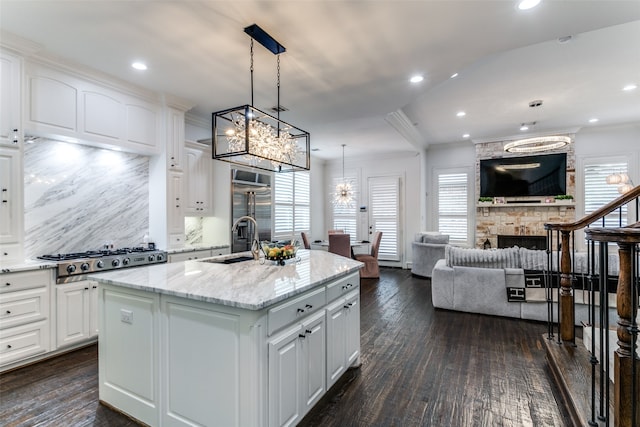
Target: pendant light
{"x": 246, "y": 136}
{"x": 536, "y": 144}
{"x": 343, "y": 194}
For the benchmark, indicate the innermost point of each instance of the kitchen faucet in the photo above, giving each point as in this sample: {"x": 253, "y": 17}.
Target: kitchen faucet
{"x": 255, "y": 244}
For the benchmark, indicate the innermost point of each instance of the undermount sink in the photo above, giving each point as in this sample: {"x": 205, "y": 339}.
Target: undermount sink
{"x": 228, "y": 260}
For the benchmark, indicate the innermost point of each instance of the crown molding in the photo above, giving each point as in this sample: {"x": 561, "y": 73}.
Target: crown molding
{"x": 405, "y": 127}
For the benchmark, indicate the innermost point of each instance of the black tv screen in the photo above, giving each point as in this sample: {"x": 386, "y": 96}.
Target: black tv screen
{"x": 540, "y": 175}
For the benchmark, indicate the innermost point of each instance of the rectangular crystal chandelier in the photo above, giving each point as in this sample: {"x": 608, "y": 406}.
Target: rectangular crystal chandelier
{"x": 247, "y": 136}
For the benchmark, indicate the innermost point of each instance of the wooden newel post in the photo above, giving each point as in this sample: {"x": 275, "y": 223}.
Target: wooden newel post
{"x": 623, "y": 357}
{"x": 567, "y": 313}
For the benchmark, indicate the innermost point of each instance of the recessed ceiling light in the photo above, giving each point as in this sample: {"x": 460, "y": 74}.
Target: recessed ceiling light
{"x": 139, "y": 66}
{"x": 524, "y": 127}
{"x": 454, "y": 75}
{"x": 593, "y": 120}
{"x": 416, "y": 79}
{"x": 528, "y": 4}
{"x": 461, "y": 114}
{"x": 629, "y": 87}
{"x": 466, "y": 135}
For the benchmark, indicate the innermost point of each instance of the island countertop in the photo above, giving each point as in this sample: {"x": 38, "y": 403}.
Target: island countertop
{"x": 248, "y": 285}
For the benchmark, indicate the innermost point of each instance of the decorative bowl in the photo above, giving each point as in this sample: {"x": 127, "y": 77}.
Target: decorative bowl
{"x": 280, "y": 251}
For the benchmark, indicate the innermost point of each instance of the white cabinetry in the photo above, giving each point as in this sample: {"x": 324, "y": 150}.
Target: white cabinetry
{"x": 61, "y": 104}
{"x": 187, "y": 256}
{"x": 25, "y": 316}
{"x": 10, "y": 204}
{"x": 343, "y": 328}
{"x": 76, "y": 316}
{"x": 10, "y": 99}
{"x": 175, "y": 209}
{"x": 199, "y": 174}
{"x": 175, "y": 138}
{"x": 296, "y": 370}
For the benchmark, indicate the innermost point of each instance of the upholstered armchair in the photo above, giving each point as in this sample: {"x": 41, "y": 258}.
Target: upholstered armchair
{"x": 427, "y": 249}
{"x": 371, "y": 269}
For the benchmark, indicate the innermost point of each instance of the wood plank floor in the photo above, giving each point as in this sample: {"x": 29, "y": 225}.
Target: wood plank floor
{"x": 420, "y": 367}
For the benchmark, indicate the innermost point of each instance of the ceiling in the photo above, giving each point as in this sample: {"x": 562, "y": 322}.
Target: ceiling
{"x": 345, "y": 73}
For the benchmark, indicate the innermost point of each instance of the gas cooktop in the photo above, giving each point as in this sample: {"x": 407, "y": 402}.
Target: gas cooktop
{"x": 73, "y": 266}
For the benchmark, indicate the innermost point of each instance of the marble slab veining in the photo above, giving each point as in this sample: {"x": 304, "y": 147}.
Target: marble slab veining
{"x": 194, "y": 248}
{"x": 26, "y": 265}
{"x": 248, "y": 285}
{"x": 78, "y": 197}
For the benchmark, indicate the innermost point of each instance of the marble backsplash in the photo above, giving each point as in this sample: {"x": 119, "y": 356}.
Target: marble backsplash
{"x": 78, "y": 198}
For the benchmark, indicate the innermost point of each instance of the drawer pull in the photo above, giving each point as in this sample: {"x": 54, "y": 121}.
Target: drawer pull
{"x": 348, "y": 305}
{"x": 307, "y": 331}
{"x": 95, "y": 287}
{"x": 308, "y": 306}
{"x": 300, "y": 310}
{"x": 302, "y": 336}
{"x": 86, "y": 289}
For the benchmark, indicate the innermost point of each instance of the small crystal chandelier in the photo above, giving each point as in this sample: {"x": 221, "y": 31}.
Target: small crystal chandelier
{"x": 343, "y": 194}
{"x": 247, "y": 136}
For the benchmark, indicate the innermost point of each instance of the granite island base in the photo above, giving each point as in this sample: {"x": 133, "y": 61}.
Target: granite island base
{"x": 208, "y": 344}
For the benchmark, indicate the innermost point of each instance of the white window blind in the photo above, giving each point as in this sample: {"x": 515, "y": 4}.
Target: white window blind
{"x": 384, "y": 197}
{"x": 292, "y": 213}
{"x": 345, "y": 217}
{"x": 452, "y": 206}
{"x": 598, "y": 193}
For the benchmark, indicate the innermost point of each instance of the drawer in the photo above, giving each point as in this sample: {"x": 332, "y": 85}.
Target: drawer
{"x": 341, "y": 286}
{"x": 24, "y": 341}
{"x": 176, "y": 240}
{"x": 9, "y": 252}
{"x": 295, "y": 309}
{"x": 11, "y": 282}
{"x": 18, "y": 308}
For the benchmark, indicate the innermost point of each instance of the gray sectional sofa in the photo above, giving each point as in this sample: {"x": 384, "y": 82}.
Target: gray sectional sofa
{"x": 477, "y": 281}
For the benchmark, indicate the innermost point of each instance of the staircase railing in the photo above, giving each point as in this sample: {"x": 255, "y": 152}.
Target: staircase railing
{"x": 596, "y": 284}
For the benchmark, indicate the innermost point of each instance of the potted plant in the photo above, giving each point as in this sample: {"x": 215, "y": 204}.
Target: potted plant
{"x": 485, "y": 200}
{"x": 564, "y": 199}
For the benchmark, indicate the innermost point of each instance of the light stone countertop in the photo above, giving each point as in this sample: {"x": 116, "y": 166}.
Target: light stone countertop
{"x": 248, "y": 285}
{"x": 26, "y": 265}
{"x": 194, "y": 248}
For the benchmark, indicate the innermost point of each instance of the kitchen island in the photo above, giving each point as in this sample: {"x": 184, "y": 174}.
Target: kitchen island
{"x": 214, "y": 344}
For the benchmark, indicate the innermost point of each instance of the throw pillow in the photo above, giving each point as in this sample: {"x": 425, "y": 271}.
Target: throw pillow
{"x": 435, "y": 238}
{"x": 483, "y": 258}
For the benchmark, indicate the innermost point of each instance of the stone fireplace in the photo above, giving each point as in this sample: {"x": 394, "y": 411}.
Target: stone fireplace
{"x": 523, "y": 216}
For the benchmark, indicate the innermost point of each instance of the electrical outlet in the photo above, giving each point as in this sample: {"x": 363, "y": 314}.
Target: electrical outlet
{"x": 126, "y": 316}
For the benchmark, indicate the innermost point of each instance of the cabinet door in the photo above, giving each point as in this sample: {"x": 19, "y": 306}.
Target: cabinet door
{"x": 93, "y": 309}
{"x": 198, "y": 161}
{"x": 10, "y": 202}
{"x": 313, "y": 366}
{"x": 352, "y": 326}
{"x": 10, "y": 102}
{"x": 187, "y": 256}
{"x": 284, "y": 378}
{"x": 175, "y": 138}
{"x": 175, "y": 202}
{"x": 336, "y": 341}
{"x": 73, "y": 318}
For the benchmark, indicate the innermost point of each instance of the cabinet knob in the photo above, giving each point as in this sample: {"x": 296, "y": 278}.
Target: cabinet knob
{"x": 8, "y": 345}
{"x": 7, "y": 284}
{"x": 8, "y": 311}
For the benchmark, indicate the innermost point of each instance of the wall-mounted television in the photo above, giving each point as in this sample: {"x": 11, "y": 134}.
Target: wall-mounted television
{"x": 538, "y": 175}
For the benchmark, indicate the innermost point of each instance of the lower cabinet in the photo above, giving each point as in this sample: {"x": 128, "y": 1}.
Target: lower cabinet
{"x": 187, "y": 256}
{"x": 297, "y": 360}
{"x": 343, "y": 335}
{"x": 77, "y": 314}
{"x": 25, "y": 321}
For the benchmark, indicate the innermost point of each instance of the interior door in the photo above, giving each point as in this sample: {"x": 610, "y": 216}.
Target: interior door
{"x": 384, "y": 215}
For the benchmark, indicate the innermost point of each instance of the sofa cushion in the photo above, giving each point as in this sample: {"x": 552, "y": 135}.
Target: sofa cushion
{"x": 487, "y": 258}
{"x": 420, "y": 236}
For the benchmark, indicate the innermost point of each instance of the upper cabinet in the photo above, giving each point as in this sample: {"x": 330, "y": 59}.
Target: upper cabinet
{"x": 199, "y": 177}
{"x": 10, "y": 101}
{"x": 175, "y": 138}
{"x": 63, "y": 105}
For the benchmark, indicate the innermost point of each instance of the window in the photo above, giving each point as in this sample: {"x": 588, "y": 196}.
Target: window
{"x": 452, "y": 206}
{"x": 598, "y": 193}
{"x": 292, "y": 213}
{"x": 345, "y": 217}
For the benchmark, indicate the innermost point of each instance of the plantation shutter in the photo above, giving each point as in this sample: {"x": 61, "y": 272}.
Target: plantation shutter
{"x": 452, "y": 206}
{"x": 384, "y": 196}
{"x": 291, "y": 205}
{"x": 598, "y": 193}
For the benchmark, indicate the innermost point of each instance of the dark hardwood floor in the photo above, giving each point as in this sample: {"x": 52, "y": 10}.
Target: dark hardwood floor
{"x": 420, "y": 367}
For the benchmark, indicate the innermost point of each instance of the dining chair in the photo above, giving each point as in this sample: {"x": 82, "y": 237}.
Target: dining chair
{"x": 371, "y": 269}
{"x": 340, "y": 244}
{"x": 305, "y": 240}
{"x": 336, "y": 231}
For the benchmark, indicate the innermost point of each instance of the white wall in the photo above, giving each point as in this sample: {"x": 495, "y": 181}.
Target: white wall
{"x": 319, "y": 199}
